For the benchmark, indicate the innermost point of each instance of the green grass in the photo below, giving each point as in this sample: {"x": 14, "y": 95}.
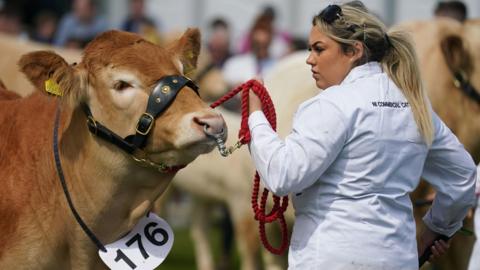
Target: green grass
{"x": 182, "y": 256}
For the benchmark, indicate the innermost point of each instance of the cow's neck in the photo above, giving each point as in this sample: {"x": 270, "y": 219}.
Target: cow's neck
{"x": 112, "y": 192}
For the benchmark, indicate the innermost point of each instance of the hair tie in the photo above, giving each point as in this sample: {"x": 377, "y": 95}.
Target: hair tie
{"x": 389, "y": 43}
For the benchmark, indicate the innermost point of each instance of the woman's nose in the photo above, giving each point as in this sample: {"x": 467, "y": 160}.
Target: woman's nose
{"x": 310, "y": 60}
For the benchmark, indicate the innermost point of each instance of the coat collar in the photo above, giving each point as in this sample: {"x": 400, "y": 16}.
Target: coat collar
{"x": 364, "y": 70}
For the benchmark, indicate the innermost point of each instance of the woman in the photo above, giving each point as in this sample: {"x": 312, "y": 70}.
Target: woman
{"x": 359, "y": 148}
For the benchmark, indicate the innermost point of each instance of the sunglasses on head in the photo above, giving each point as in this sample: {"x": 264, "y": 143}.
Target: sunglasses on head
{"x": 330, "y": 13}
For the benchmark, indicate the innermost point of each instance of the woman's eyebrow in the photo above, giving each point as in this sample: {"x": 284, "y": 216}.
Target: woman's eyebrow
{"x": 316, "y": 43}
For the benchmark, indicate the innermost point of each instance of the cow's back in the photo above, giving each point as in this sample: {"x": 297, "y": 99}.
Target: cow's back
{"x": 12, "y": 49}
{"x": 6, "y": 94}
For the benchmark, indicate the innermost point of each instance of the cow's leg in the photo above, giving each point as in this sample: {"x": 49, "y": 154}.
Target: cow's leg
{"x": 246, "y": 234}
{"x": 199, "y": 232}
{"x": 458, "y": 255}
{"x": 273, "y": 262}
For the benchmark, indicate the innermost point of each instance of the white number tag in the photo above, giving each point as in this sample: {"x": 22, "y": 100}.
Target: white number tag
{"x": 143, "y": 248}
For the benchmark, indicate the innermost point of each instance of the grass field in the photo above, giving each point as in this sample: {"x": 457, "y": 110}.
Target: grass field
{"x": 182, "y": 256}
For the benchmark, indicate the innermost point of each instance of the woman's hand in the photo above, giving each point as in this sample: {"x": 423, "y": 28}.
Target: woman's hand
{"x": 428, "y": 240}
{"x": 254, "y": 103}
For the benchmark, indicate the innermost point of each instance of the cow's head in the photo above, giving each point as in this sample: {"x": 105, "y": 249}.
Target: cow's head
{"x": 117, "y": 75}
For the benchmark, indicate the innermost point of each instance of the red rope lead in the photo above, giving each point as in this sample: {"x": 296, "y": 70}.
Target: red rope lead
{"x": 279, "y": 208}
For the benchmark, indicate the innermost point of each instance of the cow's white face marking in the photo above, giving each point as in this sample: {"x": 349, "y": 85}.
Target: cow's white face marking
{"x": 179, "y": 65}
{"x": 125, "y": 88}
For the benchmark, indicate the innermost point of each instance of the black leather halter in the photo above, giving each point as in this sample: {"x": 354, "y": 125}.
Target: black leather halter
{"x": 461, "y": 81}
{"x": 159, "y": 100}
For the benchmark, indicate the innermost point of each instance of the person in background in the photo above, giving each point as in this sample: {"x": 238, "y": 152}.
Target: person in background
{"x": 281, "y": 40}
{"x": 209, "y": 72}
{"x": 359, "y": 148}
{"x": 82, "y": 24}
{"x": 11, "y": 21}
{"x": 218, "y": 43}
{"x": 297, "y": 44}
{"x": 257, "y": 62}
{"x": 45, "y": 25}
{"x": 137, "y": 19}
{"x": 456, "y": 10}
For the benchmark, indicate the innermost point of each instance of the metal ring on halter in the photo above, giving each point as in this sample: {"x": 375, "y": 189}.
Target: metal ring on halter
{"x": 222, "y": 148}
{"x": 93, "y": 122}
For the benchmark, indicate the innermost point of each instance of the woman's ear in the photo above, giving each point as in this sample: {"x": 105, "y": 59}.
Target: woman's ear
{"x": 357, "y": 52}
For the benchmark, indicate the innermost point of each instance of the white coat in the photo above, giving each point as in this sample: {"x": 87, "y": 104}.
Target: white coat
{"x": 350, "y": 162}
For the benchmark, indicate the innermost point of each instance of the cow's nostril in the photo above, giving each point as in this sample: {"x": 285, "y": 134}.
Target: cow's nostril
{"x": 212, "y": 125}
{"x": 209, "y": 132}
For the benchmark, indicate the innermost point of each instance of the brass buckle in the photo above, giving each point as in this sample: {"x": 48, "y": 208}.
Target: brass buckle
{"x": 149, "y": 127}
{"x": 94, "y": 123}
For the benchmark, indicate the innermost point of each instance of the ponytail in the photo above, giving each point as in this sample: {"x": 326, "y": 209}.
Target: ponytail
{"x": 401, "y": 64}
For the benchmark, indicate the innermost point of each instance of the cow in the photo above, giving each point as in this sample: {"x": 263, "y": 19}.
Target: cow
{"x": 12, "y": 49}
{"x": 228, "y": 180}
{"x": 445, "y": 48}
{"x": 112, "y": 182}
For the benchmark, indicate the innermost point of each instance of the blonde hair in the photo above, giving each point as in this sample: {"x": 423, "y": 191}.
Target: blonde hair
{"x": 394, "y": 50}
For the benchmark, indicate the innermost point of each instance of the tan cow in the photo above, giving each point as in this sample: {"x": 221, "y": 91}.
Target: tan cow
{"x": 461, "y": 113}
{"x": 12, "y": 49}
{"x": 229, "y": 180}
{"x": 109, "y": 189}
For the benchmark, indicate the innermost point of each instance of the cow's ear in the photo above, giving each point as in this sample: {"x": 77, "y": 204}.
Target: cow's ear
{"x": 456, "y": 54}
{"x": 188, "y": 49}
{"x": 50, "y": 73}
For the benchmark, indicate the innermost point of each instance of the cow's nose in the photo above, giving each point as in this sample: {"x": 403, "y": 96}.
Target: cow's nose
{"x": 213, "y": 125}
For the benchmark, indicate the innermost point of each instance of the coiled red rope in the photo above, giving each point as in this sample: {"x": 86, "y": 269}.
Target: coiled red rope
{"x": 280, "y": 204}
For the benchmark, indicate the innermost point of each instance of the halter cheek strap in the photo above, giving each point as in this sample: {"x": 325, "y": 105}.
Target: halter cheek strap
{"x": 159, "y": 100}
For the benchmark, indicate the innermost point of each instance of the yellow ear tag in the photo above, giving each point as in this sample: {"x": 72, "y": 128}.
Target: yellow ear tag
{"x": 189, "y": 70}
{"x": 53, "y": 88}
{"x": 189, "y": 54}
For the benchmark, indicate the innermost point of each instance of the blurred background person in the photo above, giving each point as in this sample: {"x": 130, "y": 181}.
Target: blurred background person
{"x": 456, "y": 10}
{"x": 217, "y": 51}
{"x": 82, "y": 24}
{"x": 138, "y": 22}
{"x": 137, "y": 19}
{"x": 281, "y": 40}
{"x": 218, "y": 44}
{"x": 255, "y": 63}
{"x": 44, "y": 28}
{"x": 11, "y": 21}
{"x": 258, "y": 60}
{"x": 297, "y": 44}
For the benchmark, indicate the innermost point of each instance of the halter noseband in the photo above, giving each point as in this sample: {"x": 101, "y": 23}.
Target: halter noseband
{"x": 159, "y": 100}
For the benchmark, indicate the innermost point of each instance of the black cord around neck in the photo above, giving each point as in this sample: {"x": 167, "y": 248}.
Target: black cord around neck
{"x": 58, "y": 166}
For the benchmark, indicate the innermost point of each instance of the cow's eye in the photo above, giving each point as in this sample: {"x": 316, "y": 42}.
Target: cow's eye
{"x": 121, "y": 85}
